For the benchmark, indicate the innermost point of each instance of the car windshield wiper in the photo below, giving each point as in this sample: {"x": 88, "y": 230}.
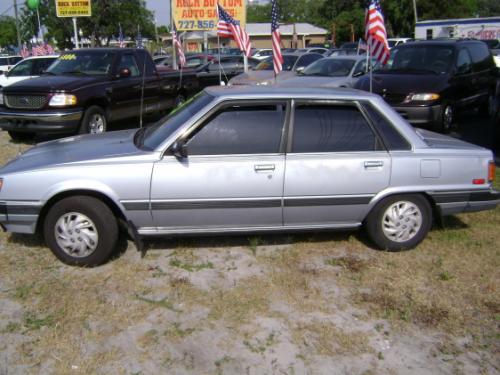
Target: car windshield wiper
{"x": 75, "y": 72}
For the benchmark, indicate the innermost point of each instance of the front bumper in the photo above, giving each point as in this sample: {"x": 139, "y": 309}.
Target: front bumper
{"x": 421, "y": 116}
{"x": 46, "y": 122}
{"x": 19, "y": 217}
{"x": 455, "y": 202}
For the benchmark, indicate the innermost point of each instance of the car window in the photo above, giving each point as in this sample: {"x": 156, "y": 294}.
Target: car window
{"x": 194, "y": 62}
{"x": 41, "y": 65}
{"x": 128, "y": 62}
{"x": 331, "y": 128}
{"x": 392, "y": 138}
{"x": 481, "y": 56}
{"x": 15, "y": 59}
{"x": 4, "y": 61}
{"x": 464, "y": 62}
{"x": 330, "y": 68}
{"x": 252, "y": 129}
{"x": 305, "y": 60}
{"x": 23, "y": 69}
{"x": 418, "y": 59}
{"x": 91, "y": 62}
{"x": 360, "y": 67}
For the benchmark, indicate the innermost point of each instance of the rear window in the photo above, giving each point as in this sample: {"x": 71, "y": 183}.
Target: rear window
{"x": 391, "y": 137}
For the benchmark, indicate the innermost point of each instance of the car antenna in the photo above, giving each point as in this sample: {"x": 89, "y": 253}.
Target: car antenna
{"x": 142, "y": 87}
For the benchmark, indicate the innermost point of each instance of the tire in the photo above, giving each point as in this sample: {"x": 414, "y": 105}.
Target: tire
{"x": 447, "y": 119}
{"x": 21, "y": 136}
{"x": 412, "y": 224}
{"x": 485, "y": 109}
{"x": 94, "y": 121}
{"x": 179, "y": 100}
{"x": 89, "y": 245}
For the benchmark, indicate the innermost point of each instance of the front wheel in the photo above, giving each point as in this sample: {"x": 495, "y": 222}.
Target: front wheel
{"x": 94, "y": 121}
{"x": 81, "y": 231}
{"x": 447, "y": 118}
{"x": 399, "y": 222}
{"x": 21, "y": 136}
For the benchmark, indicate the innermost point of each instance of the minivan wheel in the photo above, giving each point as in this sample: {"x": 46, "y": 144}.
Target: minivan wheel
{"x": 179, "y": 100}
{"x": 447, "y": 118}
{"x": 81, "y": 231}
{"x": 94, "y": 121}
{"x": 399, "y": 222}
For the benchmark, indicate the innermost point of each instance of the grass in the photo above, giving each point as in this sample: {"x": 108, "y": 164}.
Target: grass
{"x": 448, "y": 286}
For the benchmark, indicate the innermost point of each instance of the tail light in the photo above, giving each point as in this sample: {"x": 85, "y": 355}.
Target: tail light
{"x": 491, "y": 171}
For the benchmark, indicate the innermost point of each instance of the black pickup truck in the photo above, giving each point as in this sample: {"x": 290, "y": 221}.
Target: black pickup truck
{"x": 85, "y": 90}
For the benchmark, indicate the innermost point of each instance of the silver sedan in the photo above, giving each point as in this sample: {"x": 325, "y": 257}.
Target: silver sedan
{"x": 246, "y": 160}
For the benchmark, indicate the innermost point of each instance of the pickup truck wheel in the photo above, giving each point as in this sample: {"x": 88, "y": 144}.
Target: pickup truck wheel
{"x": 399, "y": 222}
{"x": 21, "y": 136}
{"x": 179, "y": 99}
{"x": 94, "y": 121}
{"x": 81, "y": 231}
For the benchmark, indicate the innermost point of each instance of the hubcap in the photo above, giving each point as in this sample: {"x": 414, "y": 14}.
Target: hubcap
{"x": 447, "y": 117}
{"x": 180, "y": 100}
{"x": 96, "y": 124}
{"x": 76, "y": 234}
{"x": 401, "y": 221}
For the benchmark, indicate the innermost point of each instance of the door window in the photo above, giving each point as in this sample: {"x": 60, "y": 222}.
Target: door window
{"x": 252, "y": 129}
{"x": 306, "y": 60}
{"x": 41, "y": 65}
{"x": 22, "y": 69}
{"x": 331, "y": 128}
{"x": 128, "y": 62}
{"x": 464, "y": 63}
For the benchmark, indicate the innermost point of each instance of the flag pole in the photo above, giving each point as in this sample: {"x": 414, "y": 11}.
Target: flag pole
{"x": 172, "y": 27}
{"x": 370, "y": 64}
{"x": 218, "y": 50}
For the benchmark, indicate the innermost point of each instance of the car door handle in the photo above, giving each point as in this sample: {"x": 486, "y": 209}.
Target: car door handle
{"x": 374, "y": 164}
{"x": 263, "y": 167}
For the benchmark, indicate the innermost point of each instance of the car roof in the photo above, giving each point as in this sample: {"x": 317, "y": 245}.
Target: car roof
{"x": 440, "y": 42}
{"x": 346, "y": 57}
{"x": 55, "y": 56}
{"x": 287, "y": 92}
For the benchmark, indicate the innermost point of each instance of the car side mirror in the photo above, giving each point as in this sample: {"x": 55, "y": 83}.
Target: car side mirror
{"x": 179, "y": 150}
{"x": 358, "y": 74}
{"x": 125, "y": 73}
{"x": 300, "y": 69}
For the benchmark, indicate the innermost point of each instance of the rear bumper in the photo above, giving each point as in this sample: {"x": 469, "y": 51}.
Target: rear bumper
{"x": 421, "y": 116}
{"x": 455, "y": 202}
{"x": 19, "y": 217}
{"x": 54, "y": 121}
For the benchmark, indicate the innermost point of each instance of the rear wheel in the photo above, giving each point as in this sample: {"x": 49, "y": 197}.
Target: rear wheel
{"x": 447, "y": 118}
{"x": 399, "y": 222}
{"x": 21, "y": 136}
{"x": 81, "y": 231}
{"x": 94, "y": 121}
{"x": 179, "y": 100}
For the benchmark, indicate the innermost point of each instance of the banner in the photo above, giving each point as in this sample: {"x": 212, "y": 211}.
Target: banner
{"x": 73, "y": 8}
{"x": 200, "y": 15}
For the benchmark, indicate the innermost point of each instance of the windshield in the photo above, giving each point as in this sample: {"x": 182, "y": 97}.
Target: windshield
{"x": 392, "y": 43}
{"x": 330, "y": 68}
{"x": 418, "y": 59}
{"x": 267, "y": 64}
{"x": 22, "y": 69}
{"x": 83, "y": 62}
{"x": 154, "y": 135}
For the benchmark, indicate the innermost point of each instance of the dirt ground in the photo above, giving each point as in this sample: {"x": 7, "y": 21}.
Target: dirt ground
{"x": 316, "y": 303}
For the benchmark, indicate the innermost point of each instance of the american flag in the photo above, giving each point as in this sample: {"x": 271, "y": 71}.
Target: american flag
{"x": 38, "y": 50}
{"x": 178, "y": 48}
{"x": 49, "y": 50}
{"x": 276, "y": 37}
{"x": 121, "y": 41}
{"x": 375, "y": 33}
{"x": 24, "y": 51}
{"x": 139, "y": 38}
{"x": 228, "y": 27}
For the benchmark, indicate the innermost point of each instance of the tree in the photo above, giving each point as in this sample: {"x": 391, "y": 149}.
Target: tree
{"x": 100, "y": 27}
{"x": 8, "y": 34}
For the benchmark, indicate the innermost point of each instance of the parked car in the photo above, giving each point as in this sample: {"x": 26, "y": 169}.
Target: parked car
{"x": 393, "y": 42}
{"x": 263, "y": 74}
{"x": 7, "y": 62}
{"x": 220, "y": 164}
{"x": 84, "y": 90}
{"x": 262, "y": 53}
{"x": 193, "y": 61}
{"x": 429, "y": 82}
{"x": 28, "y": 68}
{"x": 320, "y": 50}
{"x": 340, "y": 71}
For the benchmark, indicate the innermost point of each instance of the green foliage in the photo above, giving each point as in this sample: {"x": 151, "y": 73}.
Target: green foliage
{"x": 7, "y": 31}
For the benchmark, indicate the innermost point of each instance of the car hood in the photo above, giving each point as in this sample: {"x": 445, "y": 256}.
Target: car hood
{"x": 258, "y": 77}
{"x": 315, "y": 81}
{"x": 403, "y": 83}
{"x": 72, "y": 150}
{"x": 48, "y": 83}
{"x": 6, "y": 81}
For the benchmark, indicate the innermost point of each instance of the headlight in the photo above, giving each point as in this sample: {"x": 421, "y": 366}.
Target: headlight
{"x": 425, "y": 97}
{"x": 62, "y": 100}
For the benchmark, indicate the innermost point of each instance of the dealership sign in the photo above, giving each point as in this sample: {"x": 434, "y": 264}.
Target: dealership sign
{"x": 73, "y": 8}
{"x": 202, "y": 14}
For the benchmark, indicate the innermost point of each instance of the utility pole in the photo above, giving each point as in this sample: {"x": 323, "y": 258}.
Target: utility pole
{"x": 17, "y": 27}
{"x": 415, "y": 10}
{"x": 352, "y": 33}
{"x": 334, "y": 34}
